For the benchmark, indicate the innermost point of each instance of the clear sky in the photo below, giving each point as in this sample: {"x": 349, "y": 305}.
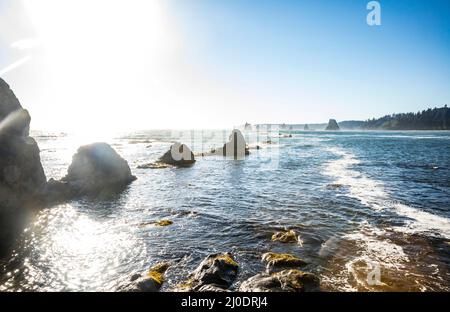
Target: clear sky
{"x": 140, "y": 64}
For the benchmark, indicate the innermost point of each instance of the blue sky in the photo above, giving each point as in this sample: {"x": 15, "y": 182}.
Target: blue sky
{"x": 220, "y": 63}
{"x": 326, "y": 47}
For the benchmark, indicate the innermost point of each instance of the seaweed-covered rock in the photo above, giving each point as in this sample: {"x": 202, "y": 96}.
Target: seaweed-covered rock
{"x": 151, "y": 282}
{"x": 282, "y": 260}
{"x": 22, "y": 178}
{"x": 284, "y": 281}
{"x": 215, "y": 272}
{"x": 285, "y": 237}
{"x": 178, "y": 155}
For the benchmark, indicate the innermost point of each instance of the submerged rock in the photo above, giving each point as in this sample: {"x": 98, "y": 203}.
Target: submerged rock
{"x": 284, "y": 281}
{"x": 22, "y": 178}
{"x": 151, "y": 282}
{"x": 332, "y": 125}
{"x": 155, "y": 165}
{"x": 178, "y": 155}
{"x": 163, "y": 223}
{"x": 281, "y": 260}
{"x": 96, "y": 169}
{"x": 215, "y": 273}
{"x": 285, "y": 237}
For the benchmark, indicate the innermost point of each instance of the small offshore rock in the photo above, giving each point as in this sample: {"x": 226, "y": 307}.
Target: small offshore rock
{"x": 163, "y": 223}
{"x": 284, "y": 281}
{"x": 282, "y": 260}
{"x": 178, "y": 155}
{"x": 285, "y": 237}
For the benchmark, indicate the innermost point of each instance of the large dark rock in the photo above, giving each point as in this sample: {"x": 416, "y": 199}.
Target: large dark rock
{"x": 284, "y": 281}
{"x": 178, "y": 155}
{"x": 96, "y": 168}
{"x": 22, "y": 178}
{"x": 332, "y": 125}
{"x": 215, "y": 273}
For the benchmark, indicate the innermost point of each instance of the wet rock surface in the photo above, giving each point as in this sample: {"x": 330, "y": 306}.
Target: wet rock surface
{"x": 215, "y": 273}
{"x": 274, "y": 260}
{"x": 151, "y": 282}
{"x": 285, "y": 237}
{"x": 283, "y": 281}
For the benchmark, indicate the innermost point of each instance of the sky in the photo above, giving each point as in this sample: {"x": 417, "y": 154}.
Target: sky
{"x": 102, "y": 65}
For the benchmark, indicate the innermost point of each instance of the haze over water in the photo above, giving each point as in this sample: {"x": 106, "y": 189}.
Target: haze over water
{"x": 358, "y": 200}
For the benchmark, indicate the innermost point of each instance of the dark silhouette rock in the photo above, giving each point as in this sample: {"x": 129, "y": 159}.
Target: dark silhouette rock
{"x": 22, "y": 178}
{"x": 96, "y": 169}
{"x": 215, "y": 273}
{"x": 306, "y": 128}
{"x": 178, "y": 155}
{"x": 332, "y": 125}
{"x": 284, "y": 281}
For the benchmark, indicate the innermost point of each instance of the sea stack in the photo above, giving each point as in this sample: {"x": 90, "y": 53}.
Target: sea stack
{"x": 332, "y": 125}
{"x": 178, "y": 155}
{"x": 96, "y": 170}
{"x": 236, "y": 147}
{"x": 306, "y": 128}
{"x": 22, "y": 178}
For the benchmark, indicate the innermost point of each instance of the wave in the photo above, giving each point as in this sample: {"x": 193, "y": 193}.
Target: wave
{"x": 373, "y": 194}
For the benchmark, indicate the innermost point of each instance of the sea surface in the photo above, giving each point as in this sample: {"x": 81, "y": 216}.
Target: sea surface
{"x": 372, "y": 210}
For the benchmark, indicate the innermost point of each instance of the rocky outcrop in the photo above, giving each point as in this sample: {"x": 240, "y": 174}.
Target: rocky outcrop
{"x": 275, "y": 260}
{"x": 215, "y": 273}
{"x": 284, "y": 281}
{"x": 178, "y": 155}
{"x": 306, "y": 128}
{"x": 22, "y": 178}
{"x": 151, "y": 282}
{"x": 96, "y": 169}
{"x": 332, "y": 125}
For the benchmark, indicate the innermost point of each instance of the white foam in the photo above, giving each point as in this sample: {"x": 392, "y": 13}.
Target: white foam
{"x": 372, "y": 193}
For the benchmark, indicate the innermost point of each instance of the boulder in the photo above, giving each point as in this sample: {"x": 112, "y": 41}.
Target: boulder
{"x": 281, "y": 260}
{"x": 283, "y": 281}
{"x": 96, "y": 169}
{"x": 215, "y": 273}
{"x": 178, "y": 155}
{"x": 22, "y": 178}
{"x": 332, "y": 125}
{"x": 151, "y": 282}
{"x": 285, "y": 237}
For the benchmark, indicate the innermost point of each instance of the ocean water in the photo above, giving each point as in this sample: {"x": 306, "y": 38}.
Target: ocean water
{"x": 372, "y": 210}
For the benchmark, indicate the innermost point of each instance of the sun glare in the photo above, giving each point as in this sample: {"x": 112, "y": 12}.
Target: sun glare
{"x": 101, "y": 58}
